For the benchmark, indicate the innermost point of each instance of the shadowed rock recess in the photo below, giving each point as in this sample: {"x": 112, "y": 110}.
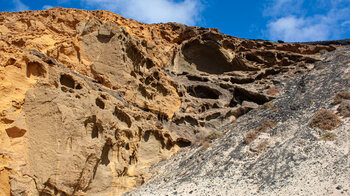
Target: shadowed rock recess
{"x": 96, "y": 104}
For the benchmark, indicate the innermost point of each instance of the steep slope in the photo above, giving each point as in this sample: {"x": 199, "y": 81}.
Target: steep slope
{"x": 278, "y": 149}
{"x": 90, "y": 100}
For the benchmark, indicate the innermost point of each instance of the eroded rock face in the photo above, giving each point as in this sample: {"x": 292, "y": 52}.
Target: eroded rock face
{"x": 220, "y": 78}
{"x": 90, "y": 100}
{"x": 81, "y": 138}
{"x": 276, "y": 149}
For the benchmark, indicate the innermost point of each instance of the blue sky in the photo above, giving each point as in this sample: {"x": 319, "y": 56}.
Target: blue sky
{"x": 288, "y": 20}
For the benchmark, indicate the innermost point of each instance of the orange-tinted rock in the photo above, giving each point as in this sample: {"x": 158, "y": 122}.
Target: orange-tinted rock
{"x": 98, "y": 98}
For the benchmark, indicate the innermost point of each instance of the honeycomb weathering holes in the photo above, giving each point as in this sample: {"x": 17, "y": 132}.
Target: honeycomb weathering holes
{"x": 203, "y": 92}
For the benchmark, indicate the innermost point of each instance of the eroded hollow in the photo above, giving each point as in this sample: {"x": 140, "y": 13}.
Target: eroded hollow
{"x": 241, "y": 94}
{"x": 207, "y": 57}
{"x": 15, "y": 132}
{"x": 93, "y": 127}
{"x": 105, "y": 152}
{"x": 35, "y": 69}
{"x": 197, "y": 78}
{"x": 100, "y": 103}
{"x": 203, "y": 92}
{"x": 190, "y": 120}
{"x": 182, "y": 143}
{"x": 213, "y": 116}
{"x": 67, "y": 80}
{"x": 122, "y": 116}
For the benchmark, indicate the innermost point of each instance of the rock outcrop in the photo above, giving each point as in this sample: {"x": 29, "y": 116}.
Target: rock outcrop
{"x": 298, "y": 144}
{"x": 91, "y": 100}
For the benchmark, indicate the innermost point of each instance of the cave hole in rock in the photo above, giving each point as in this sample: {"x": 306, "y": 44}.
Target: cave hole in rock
{"x": 207, "y": 57}
{"x": 188, "y": 119}
{"x": 162, "y": 89}
{"x": 156, "y": 75}
{"x": 94, "y": 132}
{"x": 104, "y": 38}
{"x": 144, "y": 92}
{"x": 148, "y": 134}
{"x": 169, "y": 145}
{"x": 100, "y": 103}
{"x": 233, "y": 102}
{"x": 105, "y": 152}
{"x": 149, "y": 63}
{"x": 122, "y": 116}
{"x": 253, "y": 57}
{"x": 126, "y": 133}
{"x": 11, "y": 61}
{"x": 149, "y": 80}
{"x": 237, "y": 80}
{"x": 162, "y": 117}
{"x": 35, "y": 69}
{"x": 269, "y": 57}
{"x": 213, "y": 116}
{"x": 19, "y": 42}
{"x": 103, "y": 96}
{"x": 197, "y": 78}
{"x": 215, "y": 105}
{"x": 67, "y": 80}
{"x": 203, "y": 92}
{"x": 241, "y": 94}
{"x": 78, "y": 86}
{"x": 93, "y": 127}
{"x": 15, "y": 132}
{"x": 127, "y": 146}
{"x": 182, "y": 143}
{"x": 204, "y": 108}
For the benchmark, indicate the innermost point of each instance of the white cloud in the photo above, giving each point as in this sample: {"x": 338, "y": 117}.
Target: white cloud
{"x": 328, "y": 20}
{"x": 19, "y": 6}
{"x": 294, "y": 29}
{"x": 152, "y": 11}
{"x": 282, "y": 7}
{"x": 47, "y": 7}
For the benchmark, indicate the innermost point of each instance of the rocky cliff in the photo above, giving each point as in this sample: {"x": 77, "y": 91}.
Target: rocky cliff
{"x": 91, "y": 100}
{"x": 297, "y": 144}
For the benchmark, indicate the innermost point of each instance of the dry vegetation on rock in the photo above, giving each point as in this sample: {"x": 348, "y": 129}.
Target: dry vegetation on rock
{"x": 344, "y": 108}
{"x": 266, "y": 126}
{"x": 325, "y": 119}
{"x": 328, "y": 136}
{"x": 340, "y": 96}
{"x": 251, "y": 136}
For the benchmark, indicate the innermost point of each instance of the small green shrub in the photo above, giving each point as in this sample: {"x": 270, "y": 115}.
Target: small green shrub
{"x": 325, "y": 119}
{"x": 328, "y": 136}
